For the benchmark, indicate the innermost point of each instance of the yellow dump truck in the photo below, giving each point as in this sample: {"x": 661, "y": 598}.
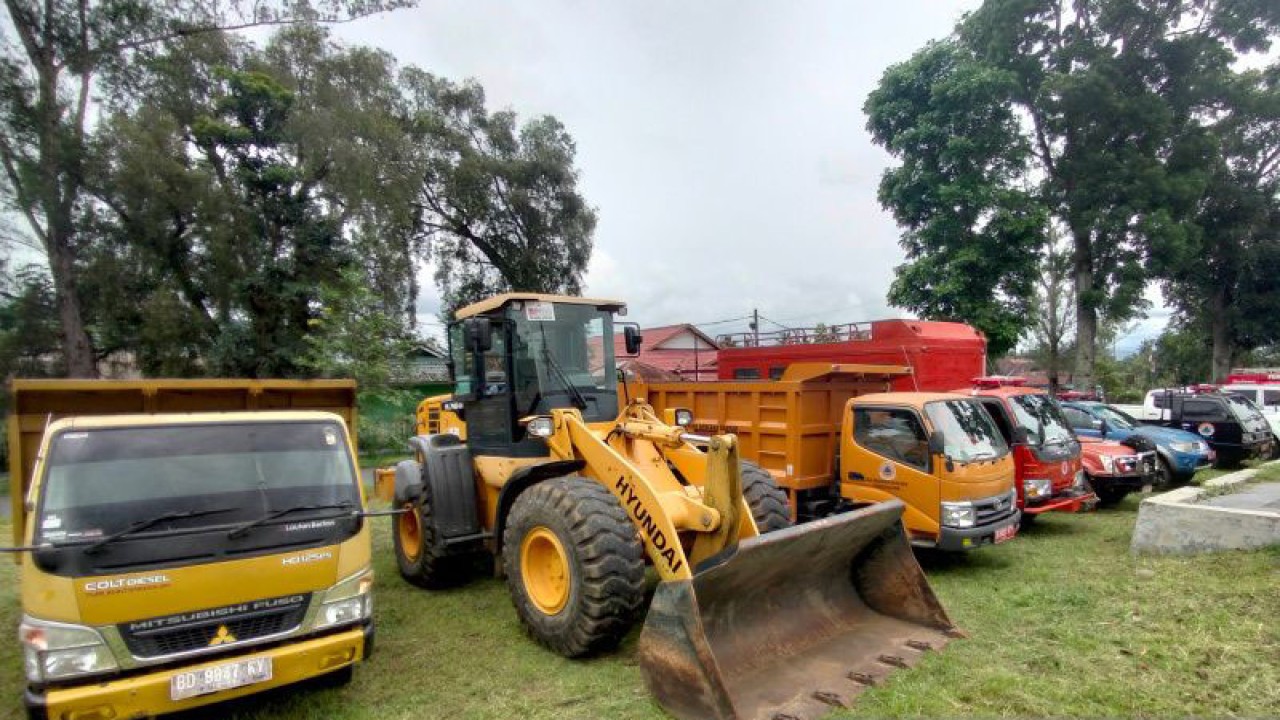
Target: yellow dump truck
{"x": 830, "y": 437}
{"x": 538, "y": 462}
{"x": 184, "y": 542}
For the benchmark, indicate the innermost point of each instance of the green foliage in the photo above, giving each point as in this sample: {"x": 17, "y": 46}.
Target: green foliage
{"x": 970, "y": 231}
{"x": 500, "y": 205}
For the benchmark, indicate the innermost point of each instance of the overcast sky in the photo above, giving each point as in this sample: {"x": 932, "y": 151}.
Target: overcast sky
{"x": 723, "y": 143}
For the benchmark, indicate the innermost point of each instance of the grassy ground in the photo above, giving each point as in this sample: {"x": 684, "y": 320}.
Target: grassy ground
{"x": 1063, "y": 621}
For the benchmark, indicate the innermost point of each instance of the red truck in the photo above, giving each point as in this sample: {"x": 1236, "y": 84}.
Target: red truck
{"x": 942, "y": 355}
{"x": 1046, "y": 453}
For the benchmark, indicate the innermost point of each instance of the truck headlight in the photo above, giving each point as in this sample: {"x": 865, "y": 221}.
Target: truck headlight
{"x": 1037, "y": 488}
{"x": 1108, "y": 463}
{"x": 1079, "y": 482}
{"x": 348, "y": 602}
{"x": 56, "y": 651}
{"x": 958, "y": 515}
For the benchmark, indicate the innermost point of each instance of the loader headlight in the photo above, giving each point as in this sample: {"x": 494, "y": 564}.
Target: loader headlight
{"x": 541, "y": 426}
{"x": 56, "y": 651}
{"x": 958, "y": 515}
{"x": 1037, "y": 488}
{"x": 348, "y": 602}
{"x": 684, "y": 417}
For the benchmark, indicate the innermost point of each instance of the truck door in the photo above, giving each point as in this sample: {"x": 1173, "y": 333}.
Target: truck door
{"x": 889, "y": 457}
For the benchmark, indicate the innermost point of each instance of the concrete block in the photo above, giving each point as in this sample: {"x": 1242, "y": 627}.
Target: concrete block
{"x": 1177, "y": 522}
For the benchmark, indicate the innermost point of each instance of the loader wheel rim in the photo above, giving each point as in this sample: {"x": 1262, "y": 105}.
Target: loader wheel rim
{"x": 409, "y": 526}
{"x": 544, "y": 568}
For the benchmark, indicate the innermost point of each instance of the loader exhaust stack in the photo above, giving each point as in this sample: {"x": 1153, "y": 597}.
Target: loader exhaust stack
{"x": 795, "y": 623}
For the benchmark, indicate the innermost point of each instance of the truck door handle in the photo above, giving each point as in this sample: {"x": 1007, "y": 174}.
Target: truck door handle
{"x": 856, "y": 476}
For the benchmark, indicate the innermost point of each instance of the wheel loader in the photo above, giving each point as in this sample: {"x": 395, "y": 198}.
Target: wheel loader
{"x": 536, "y": 461}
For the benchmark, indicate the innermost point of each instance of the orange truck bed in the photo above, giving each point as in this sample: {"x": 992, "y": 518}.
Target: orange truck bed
{"x": 790, "y": 427}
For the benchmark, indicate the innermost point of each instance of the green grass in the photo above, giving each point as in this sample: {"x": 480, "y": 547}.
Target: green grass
{"x": 1063, "y": 621}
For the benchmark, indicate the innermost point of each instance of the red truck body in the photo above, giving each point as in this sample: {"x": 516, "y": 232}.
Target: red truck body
{"x": 1059, "y": 464}
{"x": 943, "y": 355}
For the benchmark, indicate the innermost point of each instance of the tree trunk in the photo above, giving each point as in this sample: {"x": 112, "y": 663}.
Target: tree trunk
{"x": 1086, "y": 314}
{"x": 1221, "y": 333}
{"x": 75, "y": 340}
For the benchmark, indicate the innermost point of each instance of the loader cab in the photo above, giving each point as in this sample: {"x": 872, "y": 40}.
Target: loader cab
{"x": 523, "y": 354}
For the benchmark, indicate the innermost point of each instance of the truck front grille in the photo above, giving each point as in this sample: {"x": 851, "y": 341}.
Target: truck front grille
{"x": 994, "y": 509}
{"x": 213, "y": 628}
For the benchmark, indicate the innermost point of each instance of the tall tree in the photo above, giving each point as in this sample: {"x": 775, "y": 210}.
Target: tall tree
{"x": 971, "y": 230}
{"x": 499, "y": 202}
{"x": 46, "y": 83}
{"x": 1101, "y": 89}
{"x": 1053, "y": 307}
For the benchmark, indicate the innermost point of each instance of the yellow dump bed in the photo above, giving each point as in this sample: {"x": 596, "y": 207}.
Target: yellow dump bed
{"x": 789, "y": 426}
{"x": 36, "y": 403}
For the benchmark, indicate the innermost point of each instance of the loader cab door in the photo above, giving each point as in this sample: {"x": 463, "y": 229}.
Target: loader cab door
{"x": 889, "y": 457}
{"x": 485, "y": 390}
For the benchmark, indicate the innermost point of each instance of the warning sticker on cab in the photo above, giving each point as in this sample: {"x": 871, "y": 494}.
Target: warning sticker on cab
{"x": 539, "y": 312}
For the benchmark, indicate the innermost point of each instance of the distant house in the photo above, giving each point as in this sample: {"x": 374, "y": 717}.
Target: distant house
{"x": 425, "y": 362}
{"x": 684, "y": 351}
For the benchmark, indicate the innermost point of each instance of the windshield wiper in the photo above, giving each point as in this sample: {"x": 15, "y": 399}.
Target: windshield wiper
{"x": 151, "y": 522}
{"x": 241, "y": 530}
{"x": 579, "y": 401}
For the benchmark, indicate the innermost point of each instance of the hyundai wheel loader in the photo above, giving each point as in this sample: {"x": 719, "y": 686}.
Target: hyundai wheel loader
{"x": 537, "y": 461}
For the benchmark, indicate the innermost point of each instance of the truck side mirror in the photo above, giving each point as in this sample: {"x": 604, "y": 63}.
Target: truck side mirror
{"x": 479, "y": 335}
{"x": 1020, "y": 436}
{"x": 937, "y": 443}
{"x": 632, "y": 338}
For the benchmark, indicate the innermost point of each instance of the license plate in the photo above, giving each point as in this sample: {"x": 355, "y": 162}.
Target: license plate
{"x": 1006, "y": 533}
{"x": 219, "y": 677}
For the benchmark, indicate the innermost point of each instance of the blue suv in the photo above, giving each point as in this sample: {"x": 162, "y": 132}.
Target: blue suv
{"x": 1181, "y": 453}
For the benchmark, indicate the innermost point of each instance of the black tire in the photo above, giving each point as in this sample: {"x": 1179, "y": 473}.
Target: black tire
{"x": 1167, "y": 477}
{"x": 767, "y": 501}
{"x": 1275, "y": 448}
{"x": 431, "y": 567}
{"x": 1109, "y": 496}
{"x": 605, "y": 558}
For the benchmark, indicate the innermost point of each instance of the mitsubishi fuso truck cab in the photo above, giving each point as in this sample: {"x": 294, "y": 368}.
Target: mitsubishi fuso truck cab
{"x": 174, "y": 560}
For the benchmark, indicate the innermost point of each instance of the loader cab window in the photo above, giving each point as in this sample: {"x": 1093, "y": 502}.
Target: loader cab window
{"x": 894, "y": 433}
{"x": 563, "y": 357}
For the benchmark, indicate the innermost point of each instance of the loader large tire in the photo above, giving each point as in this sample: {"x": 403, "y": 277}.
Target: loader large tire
{"x": 420, "y": 554}
{"x": 768, "y": 503}
{"x": 574, "y": 565}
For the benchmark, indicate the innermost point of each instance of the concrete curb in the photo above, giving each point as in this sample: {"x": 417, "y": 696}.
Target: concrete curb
{"x": 1174, "y": 523}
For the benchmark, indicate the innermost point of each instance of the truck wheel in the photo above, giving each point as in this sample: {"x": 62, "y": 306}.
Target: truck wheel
{"x": 420, "y": 555}
{"x": 1275, "y": 448}
{"x": 574, "y": 565}
{"x": 768, "y": 503}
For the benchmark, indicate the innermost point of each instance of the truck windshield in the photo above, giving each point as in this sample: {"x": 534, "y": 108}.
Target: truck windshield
{"x": 1244, "y": 410}
{"x": 100, "y": 481}
{"x": 967, "y": 429}
{"x": 564, "y": 357}
{"x": 1040, "y": 415}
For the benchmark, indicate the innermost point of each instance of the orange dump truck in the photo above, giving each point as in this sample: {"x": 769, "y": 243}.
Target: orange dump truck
{"x": 833, "y": 439}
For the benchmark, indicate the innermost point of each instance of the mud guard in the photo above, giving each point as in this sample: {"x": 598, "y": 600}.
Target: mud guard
{"x": 795, "y": 623}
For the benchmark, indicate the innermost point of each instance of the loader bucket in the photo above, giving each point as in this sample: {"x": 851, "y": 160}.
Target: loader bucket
{"x": 795, "y": 623}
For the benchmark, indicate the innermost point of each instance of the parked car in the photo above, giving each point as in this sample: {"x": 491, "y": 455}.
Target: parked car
{"x": 1115, "y": 469}
{"x": 1265, "y": 397}
{"x": 1179, "y": 453}
{"x": 1232, "y": 426}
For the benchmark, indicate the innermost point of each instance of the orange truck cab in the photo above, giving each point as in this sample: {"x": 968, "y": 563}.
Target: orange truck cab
{"x": 1046, "y": 453}
{"x": 939, "y": 453}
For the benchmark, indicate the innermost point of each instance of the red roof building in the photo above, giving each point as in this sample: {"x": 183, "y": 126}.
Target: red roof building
{"x": 682, "y": 350}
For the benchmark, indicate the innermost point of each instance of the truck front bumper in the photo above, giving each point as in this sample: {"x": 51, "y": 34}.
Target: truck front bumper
{"x": 1067, "y": 501}
{"x": 957, "y": 539}
{"x": 147, "y": 694}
